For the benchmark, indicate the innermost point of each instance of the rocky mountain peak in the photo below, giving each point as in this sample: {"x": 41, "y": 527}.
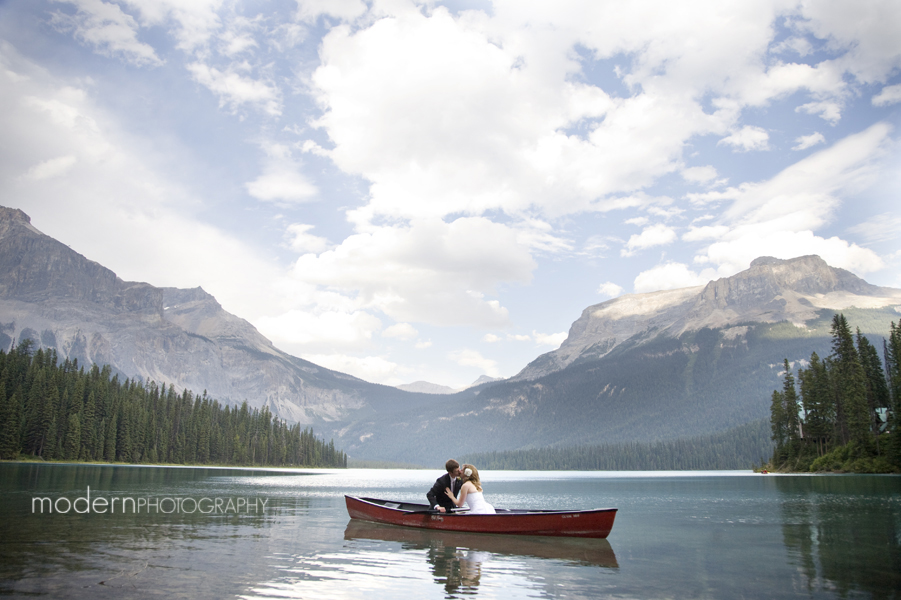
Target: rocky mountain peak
{"x": 34, "y": 267}
{"x": 12, "y": 217}
{"x": 181, "y": 337}
{"x": 769, "y": 291}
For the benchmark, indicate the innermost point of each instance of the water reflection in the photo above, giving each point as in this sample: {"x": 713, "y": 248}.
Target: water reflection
{"x": 588, "y": 552}
{"x": 43, "y": 552}
{"x": 843, "y": 533}
{"x": 456, "y": 558}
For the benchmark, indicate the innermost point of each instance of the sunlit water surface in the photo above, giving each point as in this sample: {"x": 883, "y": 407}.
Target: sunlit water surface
{"x": 677, "y": 535}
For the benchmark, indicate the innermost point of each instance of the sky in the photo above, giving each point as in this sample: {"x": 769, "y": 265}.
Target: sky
{"x": 412, "y": 190}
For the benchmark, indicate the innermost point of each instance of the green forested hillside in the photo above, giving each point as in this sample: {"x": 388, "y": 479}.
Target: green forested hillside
{"x": 62, "y": 412}
{"x": 653, "y": 388}
{"x": 739, "y": 448}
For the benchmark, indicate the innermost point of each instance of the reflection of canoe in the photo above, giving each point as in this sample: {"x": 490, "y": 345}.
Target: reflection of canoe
{"x": 579, "y": 551}
{"x": 594, "y": 523}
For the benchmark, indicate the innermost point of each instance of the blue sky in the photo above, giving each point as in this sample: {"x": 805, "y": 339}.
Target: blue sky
{"x": 408, "y": 190}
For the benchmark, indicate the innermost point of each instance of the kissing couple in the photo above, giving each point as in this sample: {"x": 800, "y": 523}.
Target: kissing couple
{"x": 459, "y": 488}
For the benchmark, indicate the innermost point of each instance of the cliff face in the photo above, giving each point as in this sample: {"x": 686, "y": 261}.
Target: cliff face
{"x": 180, "y": 337}
{"x": 770, "y": 291}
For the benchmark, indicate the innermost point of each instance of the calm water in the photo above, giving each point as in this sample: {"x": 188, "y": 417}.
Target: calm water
{"x": 677, "y": 535}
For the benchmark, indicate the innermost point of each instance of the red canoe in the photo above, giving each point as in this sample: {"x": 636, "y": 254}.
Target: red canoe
{"x": 595, "y": 523}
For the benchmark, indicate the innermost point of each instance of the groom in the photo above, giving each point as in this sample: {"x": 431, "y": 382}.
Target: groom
{"x": 438, "y": 500}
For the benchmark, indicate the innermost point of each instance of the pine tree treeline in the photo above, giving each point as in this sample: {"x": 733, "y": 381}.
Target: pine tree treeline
{"x": 847, "y": 414}
{"x": 737, "y": 448}
{"x": 60, "y": 412}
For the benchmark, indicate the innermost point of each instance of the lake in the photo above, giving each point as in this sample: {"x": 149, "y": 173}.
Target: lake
{"x": 184, "y": 532}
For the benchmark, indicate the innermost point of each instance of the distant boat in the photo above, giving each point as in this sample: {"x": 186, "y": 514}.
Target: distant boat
{"x": 594, "y": 523}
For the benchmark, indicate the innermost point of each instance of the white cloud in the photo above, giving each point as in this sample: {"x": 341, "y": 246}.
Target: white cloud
{"x": 539, "y": 235}
{"x": 423, "y": 140}
{"x": 881, "y": 228}
{"x": 472, "y": 358}
{"x": 781, "y": 215}
{"x": 519, "y": 337}
{"x": 429, "y": 271}
{"x": 797, "y": 44}
{"x": 655, "y": 235}
{"x": 866, "y": 33}
{"x": 807, "y": 141}
{"x": 666, "y": 213}
{"x": 890, "y": 94}
{"x": 670, "y": 276}
{"x": 828, "y": 111}
{"x": 746, "y": 139}
{"x": 708, "y": 232}
{"x": 108, "y": 29}
{"x": 699, "y": 174}
{"x": 376, "y": 369}
{"x": 55, "y": 167}
{"x": 301, "y": 241}
{"x": 609, "y": 289}
{"x": 347, "y": 10}
{"x": 235, "y": 90}
{"x": 804, "y": 194}
{"x": 490, "y": 338}
{"x": 304, "y": 332}
{"x": 423, "y": 345}
{"x": 282, "y": 182}
{"x": 401, "y": 331}
{"x": 195, "y": 21}
{"x": 749, "y": 242}
{"x": 239, "y": 37}
{"x": 550, "y": 339}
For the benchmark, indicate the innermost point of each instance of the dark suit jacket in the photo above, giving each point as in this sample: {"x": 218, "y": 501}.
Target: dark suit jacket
{"x": 437, "y": 496}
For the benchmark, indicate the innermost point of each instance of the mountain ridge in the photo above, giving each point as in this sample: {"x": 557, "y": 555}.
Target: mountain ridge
{"x": 180, "y": 337}
{"x": 769, "y": 291}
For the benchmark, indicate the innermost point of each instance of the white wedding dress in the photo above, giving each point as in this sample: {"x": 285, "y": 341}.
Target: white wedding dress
{"x": 477, "y": 504}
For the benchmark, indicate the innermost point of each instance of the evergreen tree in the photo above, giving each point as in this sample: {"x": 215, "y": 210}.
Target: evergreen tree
{"x": 877, "y": 389}
{"x": 892, "y": 349}
{"x": 792, "y": 408}
{"x": 73, "y": 438}
{"x": 850, "y": 383}
{"x": 778, "y": 424}
{"x": 9, "y": 423}
{"x": 818, "y": 403}
{"x": 112, "y": 433}
{"x": 88, "y": 449}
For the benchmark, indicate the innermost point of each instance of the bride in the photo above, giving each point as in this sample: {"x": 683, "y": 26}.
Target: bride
{"x": 471, "y": 493}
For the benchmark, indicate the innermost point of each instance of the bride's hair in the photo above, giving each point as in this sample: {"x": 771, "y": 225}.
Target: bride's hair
{"x": 470, "y": 473}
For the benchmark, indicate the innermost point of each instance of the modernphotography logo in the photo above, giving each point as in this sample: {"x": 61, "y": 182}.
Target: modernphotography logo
{"x": 167, "y": 505}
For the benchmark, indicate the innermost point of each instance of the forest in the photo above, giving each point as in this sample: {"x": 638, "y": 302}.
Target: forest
{"x": 738, "y": 448}
{"x": 59, "y": 411}
{"x": 841, "y": 412}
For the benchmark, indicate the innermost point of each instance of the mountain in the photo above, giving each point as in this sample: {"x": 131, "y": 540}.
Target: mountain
{"x": 641, "y": 367}
{"x": 771, "y": 291}
{"x": 182, "y": 337}
{"x": 425, "y": 387}
{"x": 647, "y": 367}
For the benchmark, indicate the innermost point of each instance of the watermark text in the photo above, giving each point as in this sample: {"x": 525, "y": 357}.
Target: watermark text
{"x": 147, "y": 505}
